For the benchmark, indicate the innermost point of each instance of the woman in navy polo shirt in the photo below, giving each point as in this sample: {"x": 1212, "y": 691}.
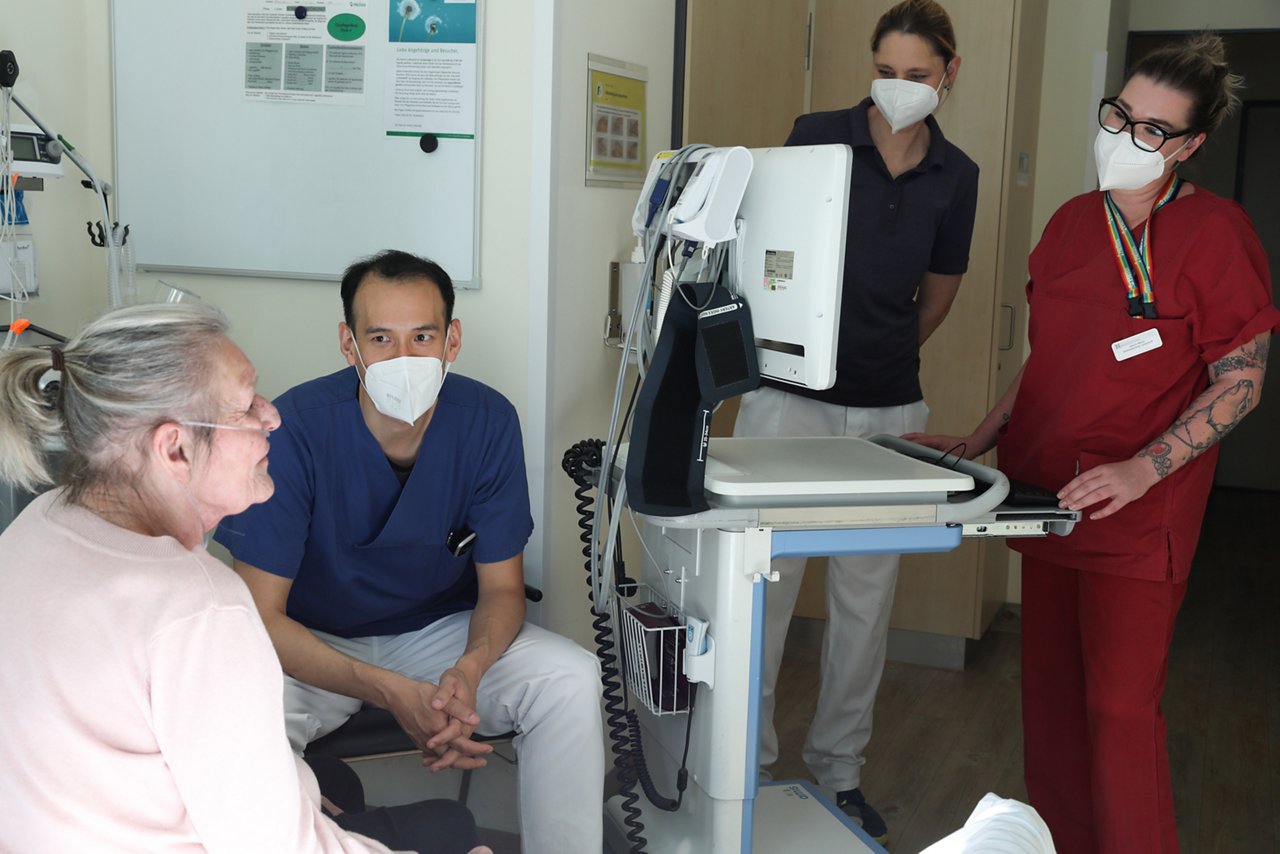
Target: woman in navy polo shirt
{"x": 912, "y": 197}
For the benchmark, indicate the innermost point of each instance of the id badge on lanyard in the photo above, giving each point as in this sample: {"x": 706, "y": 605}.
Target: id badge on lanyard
{"x": 1133, "y": 257}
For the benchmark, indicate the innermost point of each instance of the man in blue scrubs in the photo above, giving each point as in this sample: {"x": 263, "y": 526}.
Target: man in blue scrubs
{"x": 388, "y": 566}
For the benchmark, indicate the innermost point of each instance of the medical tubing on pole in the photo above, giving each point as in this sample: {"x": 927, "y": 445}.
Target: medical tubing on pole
{"x": 129, "y": 274}
{"x": 108, "y": 234}
{"x": 8, "y": 218}
{"x": 655, "y": 234}
{"x": 614, "y": 504}
{"x": 601, "y": 588}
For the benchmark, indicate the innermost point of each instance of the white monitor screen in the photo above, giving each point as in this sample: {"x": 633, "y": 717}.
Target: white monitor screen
{"x": 791, "y": 258}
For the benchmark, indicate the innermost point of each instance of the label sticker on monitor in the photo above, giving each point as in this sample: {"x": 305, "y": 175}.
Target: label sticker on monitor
{"x": 779, "y": 269}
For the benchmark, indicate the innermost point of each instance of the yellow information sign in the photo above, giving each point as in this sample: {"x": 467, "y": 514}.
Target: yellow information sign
{"x": 615, "y": 122}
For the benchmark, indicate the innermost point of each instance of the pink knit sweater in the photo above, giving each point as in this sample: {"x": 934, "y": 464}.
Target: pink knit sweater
{"x": 140, "y": 700}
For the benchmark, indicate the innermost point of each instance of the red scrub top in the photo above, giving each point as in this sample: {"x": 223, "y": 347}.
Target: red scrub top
{"x": 1078, "y": 407}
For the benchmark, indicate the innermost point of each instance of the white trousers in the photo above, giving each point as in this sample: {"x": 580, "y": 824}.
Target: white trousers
{"x": 859, "y": 597}
{"x": 545, "y": 687}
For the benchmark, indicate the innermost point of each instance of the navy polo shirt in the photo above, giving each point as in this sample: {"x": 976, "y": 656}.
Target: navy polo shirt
{"x": 899, "y": 229}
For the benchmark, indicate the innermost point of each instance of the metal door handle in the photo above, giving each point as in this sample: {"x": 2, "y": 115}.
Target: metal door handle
{"x": 1007, "y": 344}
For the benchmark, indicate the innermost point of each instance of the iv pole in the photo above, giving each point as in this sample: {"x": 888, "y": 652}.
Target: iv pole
{"x": 55, "y": 148}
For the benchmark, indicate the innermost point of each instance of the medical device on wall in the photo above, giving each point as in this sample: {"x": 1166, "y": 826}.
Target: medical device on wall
{"x": 36, "y": 152}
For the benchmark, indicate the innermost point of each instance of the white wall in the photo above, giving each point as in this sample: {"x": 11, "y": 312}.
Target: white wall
{"x": 1083, "y": 54}
{"x": 590, "y": 229}
{"x": 1201, "y": 14}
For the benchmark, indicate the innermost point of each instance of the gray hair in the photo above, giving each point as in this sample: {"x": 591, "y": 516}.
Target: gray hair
{"x": 125, "y": 374}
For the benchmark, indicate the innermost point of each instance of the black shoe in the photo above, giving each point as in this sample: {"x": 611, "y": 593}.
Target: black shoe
{"x": 856, "y": 807}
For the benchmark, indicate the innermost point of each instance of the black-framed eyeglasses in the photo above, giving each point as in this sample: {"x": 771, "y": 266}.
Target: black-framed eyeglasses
{"x": 1146, "y": 136}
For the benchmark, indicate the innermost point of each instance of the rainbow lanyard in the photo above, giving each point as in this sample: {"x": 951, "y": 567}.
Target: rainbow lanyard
{"x": 1133, "y": 257}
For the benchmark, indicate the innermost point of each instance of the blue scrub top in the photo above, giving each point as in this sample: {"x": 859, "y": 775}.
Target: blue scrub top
{"x": 367, "y": 556}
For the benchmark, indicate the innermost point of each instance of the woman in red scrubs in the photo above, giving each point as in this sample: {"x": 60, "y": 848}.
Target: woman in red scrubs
{"x": 1151, "y": 319}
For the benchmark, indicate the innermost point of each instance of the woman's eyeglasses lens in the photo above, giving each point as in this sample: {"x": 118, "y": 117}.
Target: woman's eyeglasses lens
{"x": 1145, "y": 136}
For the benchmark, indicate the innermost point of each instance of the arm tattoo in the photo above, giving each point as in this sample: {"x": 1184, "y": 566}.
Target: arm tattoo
{"x": 1158, "y": 452}
{"x": 1211, "y": 417}
{"x": 1220, "y": 414}
{"x": 1251, "y": 355}
{"x": 1216, "y": 411}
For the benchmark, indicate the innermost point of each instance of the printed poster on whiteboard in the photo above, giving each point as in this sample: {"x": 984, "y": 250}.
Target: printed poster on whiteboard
{"x": 615, "y": 122}
{"x": 431, "y": 68}
{"x": 305, "y": 54}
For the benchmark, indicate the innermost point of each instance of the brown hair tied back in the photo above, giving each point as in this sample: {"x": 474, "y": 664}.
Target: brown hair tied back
{"x": 1197, "y": 67}
{"x": 923, "y": 18}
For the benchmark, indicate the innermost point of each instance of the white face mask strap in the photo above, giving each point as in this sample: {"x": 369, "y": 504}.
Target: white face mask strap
{"x": 1178, "y": 150}
{"x": 944, "y": 88}
{"x": 444, "y": 353}
{"x": 360, "y": 359}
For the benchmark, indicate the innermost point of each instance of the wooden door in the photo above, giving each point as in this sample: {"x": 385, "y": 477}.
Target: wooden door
{"x": 746, "y": 79}
{"x": 745, "y": 70}
{"x": 941, "y": 593}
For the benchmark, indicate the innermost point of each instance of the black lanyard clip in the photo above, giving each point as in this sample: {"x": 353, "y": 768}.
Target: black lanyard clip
{"x": 1138, "y": 308}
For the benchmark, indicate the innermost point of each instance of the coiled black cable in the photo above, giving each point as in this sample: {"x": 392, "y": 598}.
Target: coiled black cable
{"x": 580, "y": 462}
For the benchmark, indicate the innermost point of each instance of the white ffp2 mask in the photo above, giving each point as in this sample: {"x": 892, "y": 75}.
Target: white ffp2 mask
{"x": 904, "y": 102}
{"x": 405, "y": 387}
{"x": 1124, "y": 166}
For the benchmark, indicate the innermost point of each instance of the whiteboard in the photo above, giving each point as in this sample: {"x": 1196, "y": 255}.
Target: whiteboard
{"x": 211, "y": 181}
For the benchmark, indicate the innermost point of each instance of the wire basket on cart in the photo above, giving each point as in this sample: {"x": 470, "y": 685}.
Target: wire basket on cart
{"x": 653, "y": 632}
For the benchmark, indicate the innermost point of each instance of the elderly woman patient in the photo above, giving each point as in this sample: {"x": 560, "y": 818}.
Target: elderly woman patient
{"x": 140, "y": 698}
